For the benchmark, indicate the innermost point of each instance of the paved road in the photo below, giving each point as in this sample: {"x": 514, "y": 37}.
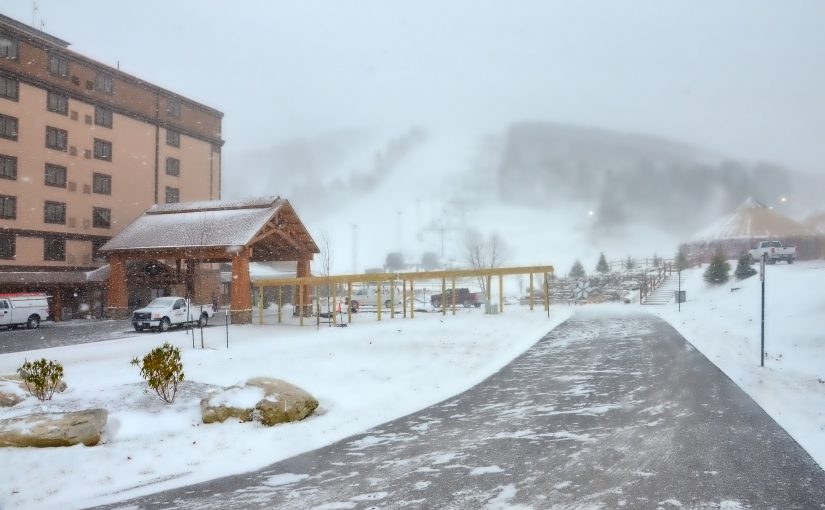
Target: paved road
{"x": 604, "y": 412}
{"x": 56, "y": 334}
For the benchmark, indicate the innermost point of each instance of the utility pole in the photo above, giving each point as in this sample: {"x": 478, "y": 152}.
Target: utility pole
{"x": 762, "y": 277}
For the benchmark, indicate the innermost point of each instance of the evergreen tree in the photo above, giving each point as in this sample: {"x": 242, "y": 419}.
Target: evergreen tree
{"x": 743, "y": 268}
{"x": 657, "y": 260}
{"x": 577, "y": 271}
{"x": 681, "y": 258}
{"x": 602, "y": 266}
{"x": 630, "y": 263}
{"x": 717, "y": 271}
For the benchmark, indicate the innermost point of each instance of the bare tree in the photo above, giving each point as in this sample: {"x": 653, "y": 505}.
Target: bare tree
{"x": 325, "y": 256}
{"x": 484, "y": 254}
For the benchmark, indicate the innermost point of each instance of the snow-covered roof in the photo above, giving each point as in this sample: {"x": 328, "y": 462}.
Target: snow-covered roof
{"x": 227, "y": 224}
{"x": 816, "y": 222}
{"x": 752, "y": 220}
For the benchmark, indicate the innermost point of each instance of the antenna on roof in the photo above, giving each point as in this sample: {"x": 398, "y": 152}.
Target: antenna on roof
{"x": 34, "y": 11}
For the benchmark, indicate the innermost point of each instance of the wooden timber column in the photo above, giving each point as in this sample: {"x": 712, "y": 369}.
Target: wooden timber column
{"x": 303, "y": 271}
{"x": 117, "y": 298}
{"x": 240, "y": 307}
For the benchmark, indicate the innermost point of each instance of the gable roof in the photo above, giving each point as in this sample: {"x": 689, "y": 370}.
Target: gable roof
{"x": 752, "y": 220}
{"x": 816, "y": 222}
{"x": 228, "y": 224}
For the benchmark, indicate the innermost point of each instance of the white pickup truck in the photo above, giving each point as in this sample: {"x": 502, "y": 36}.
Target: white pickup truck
{"x": 165, "y": 312}
{"x": 23, "y": 309}
{"x": 775, "y": 251}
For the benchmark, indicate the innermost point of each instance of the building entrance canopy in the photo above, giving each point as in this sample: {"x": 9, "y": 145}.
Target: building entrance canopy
{"x": 264, "y": 229}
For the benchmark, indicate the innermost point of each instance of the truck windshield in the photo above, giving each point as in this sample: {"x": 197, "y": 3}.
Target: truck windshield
{"x": 164, "y": 302}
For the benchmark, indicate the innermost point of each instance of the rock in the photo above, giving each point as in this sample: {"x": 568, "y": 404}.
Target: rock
{"x": 54, "y": 429}
{"x": 10, "y": 393}
{"x": 283, "y": 402}
{"x": 268, "y": 400}
{"x": 61, "y": 385}
{"x": 233, "y": 402}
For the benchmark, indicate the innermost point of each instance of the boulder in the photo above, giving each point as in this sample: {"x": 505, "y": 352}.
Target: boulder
{"x": 54, "y": 429}
{"x": 233, "y": 402}
{"x": 283, "y": 402}
{"x": 15, "y": 378}
{"x": 10, "y": 393}
{"x": 265, "y": 399}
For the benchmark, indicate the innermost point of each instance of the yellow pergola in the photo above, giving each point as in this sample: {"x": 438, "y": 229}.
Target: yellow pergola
{"x": 445, "y": 276}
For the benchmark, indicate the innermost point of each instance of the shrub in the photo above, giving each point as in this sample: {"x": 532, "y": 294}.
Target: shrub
{"x": 743, "y": 268}
{"x": 162, "y": 370}
{"x": 41, "y": 377}
{"x": 717, "y": 271}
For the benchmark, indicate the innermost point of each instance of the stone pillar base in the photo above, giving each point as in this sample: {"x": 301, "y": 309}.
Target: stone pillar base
{"x": 241, "y": 316}
{"x": 118, "y": 314}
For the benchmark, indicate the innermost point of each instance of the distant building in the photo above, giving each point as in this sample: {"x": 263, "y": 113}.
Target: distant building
{"x": 750, "y": 223}
{"x": 84, "y": 150}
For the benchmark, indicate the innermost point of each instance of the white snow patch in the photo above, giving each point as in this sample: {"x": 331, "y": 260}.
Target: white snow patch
{"x": 485, "y": 470}
{"x": 284, "y": 479}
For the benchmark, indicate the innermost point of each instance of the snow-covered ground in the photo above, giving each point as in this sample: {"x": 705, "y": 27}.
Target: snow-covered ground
{"x": 724, "y": 324}
{"x": 372, "y": 372}
{"x": 362, "y": 375}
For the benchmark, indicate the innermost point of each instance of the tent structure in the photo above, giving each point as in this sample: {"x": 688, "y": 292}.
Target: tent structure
{"x": 750, "y": 223}
{"x": 238, "y": 232}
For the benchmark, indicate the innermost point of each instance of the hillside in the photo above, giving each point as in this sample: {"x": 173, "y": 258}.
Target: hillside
{"x": 552, "y": 192}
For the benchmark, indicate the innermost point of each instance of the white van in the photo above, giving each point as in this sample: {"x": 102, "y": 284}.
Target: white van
{"x": 26, "y": 308}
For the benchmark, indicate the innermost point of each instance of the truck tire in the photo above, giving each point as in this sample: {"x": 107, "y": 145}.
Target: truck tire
{"x": 467, "y": 303}
{"x": 33, "y": 322}
{"x": 203, "y": 321}
{"x": 164, "y": 324}
{"x": 355, "y": 306}
{"x": 138, "y": 328}
{"x": 388, "y": 304}
{"x": 477, "y": 305}
{"x": 790, "y": 260}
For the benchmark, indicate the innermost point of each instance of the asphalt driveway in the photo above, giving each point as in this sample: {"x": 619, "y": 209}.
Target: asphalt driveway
{"x": 604, "y": 412}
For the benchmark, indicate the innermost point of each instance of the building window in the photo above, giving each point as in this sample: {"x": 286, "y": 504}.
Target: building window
{"x": 172, "y": 138}
{"x": 9, "y": 88}
{"x": 57, "y": 139}
{"x": 173, "y": 167}
{"x": 8, "y": 167}
{"x": 101, "y": 217}
{"x": 102, "y": 183}
{"x": 58, "y": 65}
{"x": 104, "y": 83}
{"x": 55, "y": 175}
{"x": 7, "y": 246}
{"x": 8, "y": 127}
{"x": 103, "y": 150}
{"x": 173, "y": 107}
{"x": 8, "y": 47}
{"x": 57, "y": 103}
{"x": 54, "y": 248}
{"x": 8, "y": 207}
{"x": 103, "y": 117}
{"x": 97, "y": 244}
{"x": 54, "y": 212}
{"x": 172, "y": 195}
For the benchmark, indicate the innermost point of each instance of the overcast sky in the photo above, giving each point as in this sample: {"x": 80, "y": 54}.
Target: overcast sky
{"x": 745, "y": 78}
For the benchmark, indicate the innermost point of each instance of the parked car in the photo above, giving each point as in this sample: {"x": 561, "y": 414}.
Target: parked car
{"x": 775, "y": 252}
{"x": 27, "y": 309}
{"x": 463, "y": 297}
{"x": 165, "y": 312}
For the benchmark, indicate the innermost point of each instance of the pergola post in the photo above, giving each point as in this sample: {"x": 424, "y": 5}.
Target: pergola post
{"x": 117, "y": 298}
{"x": 240, "y": 307}
{"x": 302, "y": 271}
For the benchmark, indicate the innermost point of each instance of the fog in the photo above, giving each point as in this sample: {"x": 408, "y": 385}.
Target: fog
{"x": 635, "y": 110}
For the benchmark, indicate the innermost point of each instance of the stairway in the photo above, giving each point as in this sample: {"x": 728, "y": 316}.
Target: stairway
{"x": 664, "y": 293}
